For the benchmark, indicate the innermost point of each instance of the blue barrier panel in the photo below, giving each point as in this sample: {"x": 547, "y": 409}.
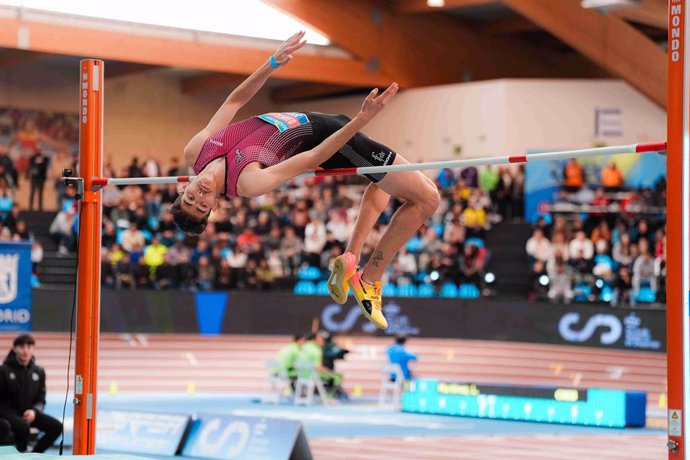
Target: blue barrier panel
{"x": 593, "y": 407}
{"x": 141, "y": 432}
{"x": 246, "y": 438}
{"x": 210, "y": 311}
{"x": 15, "y": 286}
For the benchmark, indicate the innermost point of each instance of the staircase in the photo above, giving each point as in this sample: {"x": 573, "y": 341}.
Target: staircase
{"x": 506, "y": 241}
{"x": 56, "y": 271}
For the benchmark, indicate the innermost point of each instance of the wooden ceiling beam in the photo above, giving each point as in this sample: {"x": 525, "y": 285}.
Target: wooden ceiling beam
{"x": 650, "y": 13}
{"x": 308, "y": 91}
{"x": 58, "y": 38}
{"x": 607, "y": 40}
{"x": 509, "y": 26}
{"x": 15, "y": 57}
{"x": 114, "y": 69}
{"x": 421, "y": 6}
{"x": 417, "y": 50}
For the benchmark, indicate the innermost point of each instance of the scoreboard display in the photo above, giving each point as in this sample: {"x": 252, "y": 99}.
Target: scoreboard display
{"x": 574, "y": 406}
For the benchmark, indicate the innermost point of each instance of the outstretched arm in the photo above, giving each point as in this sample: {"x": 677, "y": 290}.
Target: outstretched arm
{"x": 260, "y": 181}
{"x": 243, "y": 94}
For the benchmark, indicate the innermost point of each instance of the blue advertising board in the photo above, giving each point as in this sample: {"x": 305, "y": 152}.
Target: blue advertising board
{"x": 245, "y": 438}
{"x": 141, "y": 432}
{"x": 15, "y": 286}
{"x": 592, "y": 407}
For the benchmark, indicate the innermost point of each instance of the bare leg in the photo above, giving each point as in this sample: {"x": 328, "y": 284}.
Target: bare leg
{"x": 421, "y": 201}
{"x": 374, "y": 202}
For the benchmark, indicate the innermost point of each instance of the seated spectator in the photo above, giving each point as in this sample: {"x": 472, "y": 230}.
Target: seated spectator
{"x": 23, "y": 397}
{"x": 642, "y": 231}
{"x": 474, "y": 219}
{"x": 612, "y": 177}
{"x": 623, "y": 288}
{"x": 601, "y": 232}
{"x": 454, "y": 233}
{"x": 560, "y": 279}
{"x": 603, "y": 264}
{"x": 471, "y": 266}
{"x": 36, "y": 255}
{"x": 581, "y": 245}
{"x": 446, "y": 178}
{"x": 559, "y": 244}
{"x": 314, "y": 241}
{"x": 132, "y": 238}
{"x": 400, "y": 355}
{"x": 154, "y": 257}
{"x": 291, "y": 250}
{"x": 538, "y": 247}
{"x": 624, "y": 251}
{"x": 643, "y": 272}
{"x": 62, "y": 231}
{"x": 573, "y": 176}
{"x": 206, "y": 274}
{"x": 581, "y": 265}
{"x": 264, "y": 275}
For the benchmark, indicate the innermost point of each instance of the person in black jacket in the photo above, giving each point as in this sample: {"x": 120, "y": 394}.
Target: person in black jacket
{"x": 37, "y": 173}
{"x": 23, "y": 396}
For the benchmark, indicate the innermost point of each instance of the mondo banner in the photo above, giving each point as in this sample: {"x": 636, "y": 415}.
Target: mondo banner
{"x": 15, "y": 286}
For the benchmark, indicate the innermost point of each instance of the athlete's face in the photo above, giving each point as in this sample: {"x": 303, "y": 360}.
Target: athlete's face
{"x": 199, "y": 197}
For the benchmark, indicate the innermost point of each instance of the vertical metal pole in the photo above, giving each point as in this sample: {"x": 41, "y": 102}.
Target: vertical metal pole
{"x": 89, "y": 273}
{"x": 677, "y": 287}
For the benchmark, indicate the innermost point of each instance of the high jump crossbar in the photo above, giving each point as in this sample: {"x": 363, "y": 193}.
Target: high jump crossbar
{"x": 658, "y": 147}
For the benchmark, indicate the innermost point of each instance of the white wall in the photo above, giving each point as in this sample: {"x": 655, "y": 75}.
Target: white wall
{"x": 503, "y": 117}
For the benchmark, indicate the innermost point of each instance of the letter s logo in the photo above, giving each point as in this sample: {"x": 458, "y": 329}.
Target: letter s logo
{"x": 229, "y": 444}
{"x": 573, "y": 335}
{"x": 331, "y": 324}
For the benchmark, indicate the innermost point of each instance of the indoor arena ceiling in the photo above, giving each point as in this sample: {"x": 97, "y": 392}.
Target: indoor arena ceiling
{"x": 375, "y": 42}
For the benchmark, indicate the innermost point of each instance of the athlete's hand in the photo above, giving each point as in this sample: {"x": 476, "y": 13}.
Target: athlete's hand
{"x": 29, "y": 415}
{"x": 373, "y": 104}
{"x": 284, "y": 53}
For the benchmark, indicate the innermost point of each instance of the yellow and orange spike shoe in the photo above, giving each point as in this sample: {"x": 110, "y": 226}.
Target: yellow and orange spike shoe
{"x": 342, "y": 269}
{"x": 369, "y": 299}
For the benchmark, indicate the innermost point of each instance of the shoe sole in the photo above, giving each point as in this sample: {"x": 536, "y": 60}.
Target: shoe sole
{"x": 338, "y": 286}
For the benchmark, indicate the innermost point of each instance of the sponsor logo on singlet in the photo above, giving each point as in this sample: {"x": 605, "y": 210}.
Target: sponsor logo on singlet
{"x": 215, "y": 142}
{"x": 284, "y": 121}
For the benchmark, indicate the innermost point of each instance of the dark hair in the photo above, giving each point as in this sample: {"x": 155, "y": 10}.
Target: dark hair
{"x": 400, "y": 339}
{"x": 24, "y": 339}
{"x": 185, "y": 222}
{"x": 297, "y": 337}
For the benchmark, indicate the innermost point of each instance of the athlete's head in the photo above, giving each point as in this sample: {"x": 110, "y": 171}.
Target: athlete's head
{"x": 194, "y": 204}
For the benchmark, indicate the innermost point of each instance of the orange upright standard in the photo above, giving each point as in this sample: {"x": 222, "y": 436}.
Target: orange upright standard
{"x": 89, "y": 254}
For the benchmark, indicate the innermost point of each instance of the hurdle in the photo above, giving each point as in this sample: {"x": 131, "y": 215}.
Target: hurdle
{"x": 677, "y": 149}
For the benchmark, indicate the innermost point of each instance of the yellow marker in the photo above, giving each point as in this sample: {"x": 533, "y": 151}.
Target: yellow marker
{"x": 663, "y": 401}
{"x": 191, "y": 387}
{"x": 113, "y": 388}
{"x": 357, "y": 391}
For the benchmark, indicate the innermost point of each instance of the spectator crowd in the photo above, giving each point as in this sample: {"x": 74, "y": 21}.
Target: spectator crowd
{"x": 617, "y": 257}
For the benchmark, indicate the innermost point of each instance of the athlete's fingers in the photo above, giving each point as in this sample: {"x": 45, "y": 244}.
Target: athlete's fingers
{"x": 390, "y": 92}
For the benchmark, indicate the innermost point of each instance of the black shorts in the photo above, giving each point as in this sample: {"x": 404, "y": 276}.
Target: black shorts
{"x": 358, "y": 152}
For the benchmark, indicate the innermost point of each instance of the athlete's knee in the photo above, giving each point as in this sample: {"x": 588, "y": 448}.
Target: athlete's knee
{"x": 430, "y": 199}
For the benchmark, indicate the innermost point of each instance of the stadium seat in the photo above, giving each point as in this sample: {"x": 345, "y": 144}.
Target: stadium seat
{"x": 582, "y": 292}
{"x": 309, "y": 273}
{"x": 475, "y": 241}
{"x": 468, "y": 291}
{"x": 449, "y": 290}
{"x": 322, "y": 288}
{"x": 305, "y": 288}
{"x": 407, "y": 290}
{"x": 425, "y": 290}
{"x": 606, "y": 293}
{"x": 645, "y": 295}
{"x": 389, "y": 290}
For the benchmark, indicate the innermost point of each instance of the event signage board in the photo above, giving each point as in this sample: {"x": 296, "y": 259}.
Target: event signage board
{"x": 590, "y": 407}
{"x": 222, "y": 437}
{"x": 15, "y": 286}
{"x": 285, "y": 314}
{"x": 141, "y": 432}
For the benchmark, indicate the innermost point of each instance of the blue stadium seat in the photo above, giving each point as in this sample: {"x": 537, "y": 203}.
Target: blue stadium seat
{"x": 645, "y": 295}
{"x": 420, "y": 277}
{"x": 407, "y": 290}
{"x": 606, "y": 293}
{"x": 475, "y": 241}
{"x": 322, "y": 288}
{"x": 425, "y": 290}
{"x": 309, "y": 273}
{"x": 414, "y": 244}
{"x": 439, "y": 230}
{"x": 449, "y": 290}
{"x": 389, "y": 290}
{"x": 582, "y": 292}
{"x": 468, "y": 291}
{"x": 305, "y": 288}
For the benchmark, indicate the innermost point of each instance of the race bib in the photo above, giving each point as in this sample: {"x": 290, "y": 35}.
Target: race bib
{"x": 285, "y": 120}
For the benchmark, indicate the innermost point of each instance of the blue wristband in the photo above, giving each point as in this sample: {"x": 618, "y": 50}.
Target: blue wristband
{"x": 273, "y": 62}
